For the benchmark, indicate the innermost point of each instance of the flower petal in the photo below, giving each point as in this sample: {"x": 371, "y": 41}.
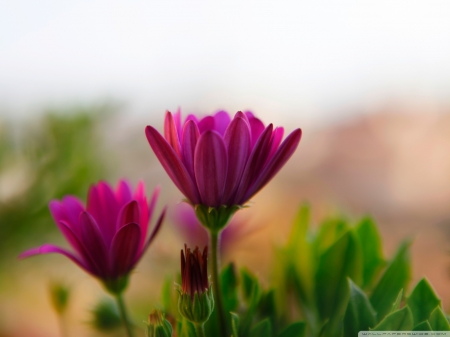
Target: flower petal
{"x": 284, "y": 152}
{"x": 255, "y": 164}
{"x": 190, "y": 138}
{"x": 277, "y": 136}
{"x": 94, "y": 243}
{"x": 221, "y": 120}
{"x": 207, "y": 123}
{"x": 172, "y": 164}
{"x": 104, "y": 208}
{"x": 154, "y": 232}
{"x": 171, "y": 133}
{"x": 210, "y": 167}
{"x": 237, "y": 140}
{"x": 68, "y": 210}
{"x": 128, "y": 213}
{"x": 48, "y": 249}
{"x": 124, "y": 248}
{"x": 123, "y": 193}
{"x": 256, "y": 127}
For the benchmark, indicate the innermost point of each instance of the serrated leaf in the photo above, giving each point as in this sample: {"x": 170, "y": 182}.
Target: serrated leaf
{"x": 262, "y": 329}
{"x": 359, "y": 315}
{"x": 396, "y": 277}
{"x": 423, "y": 326}
{"x": 400, "y": 320}
{"x": 234, "y": 324}
{"x": 341, "y": 260}
{"x": 373, "y": 260}
{"x": 438, "y": 321}
{"x": 422, "y": 301}
{"x": 294, "y": 330}
{"x": 398, "y": 301}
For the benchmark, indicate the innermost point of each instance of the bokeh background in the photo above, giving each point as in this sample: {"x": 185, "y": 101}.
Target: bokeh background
{"x": 368, "y": 82}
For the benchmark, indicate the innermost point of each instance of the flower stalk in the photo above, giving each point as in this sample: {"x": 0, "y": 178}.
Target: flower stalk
{"x": 215, "y": 266}
{"x": 124, "y": 315}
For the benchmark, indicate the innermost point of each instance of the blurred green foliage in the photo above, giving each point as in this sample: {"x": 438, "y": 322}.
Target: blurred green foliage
{"x": 56, "y": 154}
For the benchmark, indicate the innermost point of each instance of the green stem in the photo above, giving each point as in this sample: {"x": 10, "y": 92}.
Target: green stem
{"x": 199, "y": 329}
{"x": 124, "y": 315}
{"x": 215, "y": 264}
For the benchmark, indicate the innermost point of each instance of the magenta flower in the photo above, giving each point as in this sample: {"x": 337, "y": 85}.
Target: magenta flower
{"x": 109, "y": 236}
{"x": 217, "y": 161}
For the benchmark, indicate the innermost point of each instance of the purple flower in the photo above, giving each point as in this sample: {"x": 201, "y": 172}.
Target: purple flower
{"x": 109, "y": 236}
{"x": 217, "y": 161}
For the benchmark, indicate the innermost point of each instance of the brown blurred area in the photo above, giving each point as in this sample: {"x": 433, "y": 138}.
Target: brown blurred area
{"x": 392, "y": 164}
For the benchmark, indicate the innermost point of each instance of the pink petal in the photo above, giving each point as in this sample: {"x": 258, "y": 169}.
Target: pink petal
{"x": 206, "y": 124}
{"x": 221, "y": 121}
{"x": 125, "y": 246}
{"x": 277, "y": 136}
{"x": 129, "y": 213}
{"x": 190, "y": 138}
{"x": 154, "y": 232}
{"x": 48, "y": 249}
{"x": 93, "y": 243}
{"x": 171, "y": 133}
{"x": 104, "y": 208}
{"x": 67, "y": 210}
{"x": 123, "y": 193}
{"x": 172, "y": 164}
{"x": 149, "y": 208}
{"x": 255, "y": 163}
{"x": 284, "y": 152}
{"x": 256, "y": 127}
{"x": 210, "y": 167}
{"x": 177, "y": 119}
{"x": 237, "y": 141}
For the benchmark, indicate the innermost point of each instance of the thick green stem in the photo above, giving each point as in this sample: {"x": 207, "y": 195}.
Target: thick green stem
{"x": 215, "y": 264}
{"x": 199, "y": 329}
{"x": 124, "y": 315}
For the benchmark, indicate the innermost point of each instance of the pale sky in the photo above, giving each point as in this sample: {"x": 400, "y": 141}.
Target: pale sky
{"x": 281, "y": 57}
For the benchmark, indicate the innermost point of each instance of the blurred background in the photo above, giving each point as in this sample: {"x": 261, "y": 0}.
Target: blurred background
{"x": 368, "y": 82}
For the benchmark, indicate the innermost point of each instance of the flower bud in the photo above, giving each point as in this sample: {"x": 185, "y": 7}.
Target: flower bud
{"x": 157, "y": 325}
{"x": 196, "y": 301}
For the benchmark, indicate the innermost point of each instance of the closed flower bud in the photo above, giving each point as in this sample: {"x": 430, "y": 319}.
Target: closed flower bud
{"x": 196, "y": 301}
{"x": 157, "y": 325}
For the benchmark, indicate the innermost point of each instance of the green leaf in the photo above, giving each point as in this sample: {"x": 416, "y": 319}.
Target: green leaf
{"x": 424, "y": 326}
{"x": 396, "y": 277}
{"x": 262, "y": 329}
{"x": 334, "y": 326}
{"x": 370, "y": 239}
{"x": 422, "y": 301}
{"x": 234, "y": 324}
{"x": 398, "y": 301}
{"x": 330, "y": 231}
{"x": 267, "y": 307}
{"x": 252, "y": 294}
{"x": 438, "y": 321}
{"x": 294, "y": 330}
{"x": 400, "y": 320}
{"x": 341, "y": 260}
{"x": 186, "y": 328}
{"x": 229, "y": 286}
{"x": 360, "y": 315}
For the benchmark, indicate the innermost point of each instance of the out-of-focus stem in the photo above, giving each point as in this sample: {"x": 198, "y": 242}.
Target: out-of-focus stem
{"x": 199, "y": 329}
{"x": 215, "y": 264}
{"x": 124, "y": 315}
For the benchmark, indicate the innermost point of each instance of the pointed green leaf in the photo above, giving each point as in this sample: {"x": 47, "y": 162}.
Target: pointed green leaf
{"x": 400, "y": 320}
{"x": 370, "y": 239}
{"x": 422, "y": 301}
{"x": 229, "y": 286}
{"x": 294, "y": 330}
{"x": 334, "y": 326}
{"x": 398, "y": 301}
{"x": 330, "y": 231}
{"x": 341, "y": 260}
{"x": 234, "y": 324}
{"x": 438, "y": 321}
{"x": 252, "y": 293}
{"x": 396, "y": 276}
{"x": 262, "y": 329}
{"x": 360, "y": 315}
{"x": 267, "y": 307}
{"x": 424, "y": 326}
